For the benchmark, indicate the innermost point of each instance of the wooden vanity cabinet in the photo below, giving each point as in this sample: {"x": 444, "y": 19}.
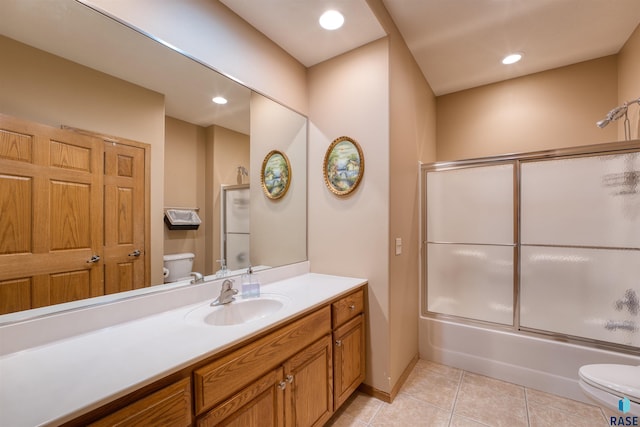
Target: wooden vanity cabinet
{"x": 297, "y": 374}
{"x": 228, "y": 374}
{"x": 299, "y": 358}
{"x": 349, "y": 345}
{"x": 297, "y": 393}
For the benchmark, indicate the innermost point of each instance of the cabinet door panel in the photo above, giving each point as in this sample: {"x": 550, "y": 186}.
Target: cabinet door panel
{"x": 349, "y": 369}
{"x": 309, "y": 385}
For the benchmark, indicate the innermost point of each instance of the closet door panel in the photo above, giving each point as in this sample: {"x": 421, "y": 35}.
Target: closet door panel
{"x": 51, "y": 215}
{"x": 16, "y": 193}
{"x": 124, "y": 218}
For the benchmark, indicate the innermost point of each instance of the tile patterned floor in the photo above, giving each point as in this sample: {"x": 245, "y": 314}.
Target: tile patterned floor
{"x": 437, "y": 395}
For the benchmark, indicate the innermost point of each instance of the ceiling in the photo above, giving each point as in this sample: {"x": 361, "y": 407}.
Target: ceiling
{"x": 458, "y": 44}
{"x": 54, "y": 26}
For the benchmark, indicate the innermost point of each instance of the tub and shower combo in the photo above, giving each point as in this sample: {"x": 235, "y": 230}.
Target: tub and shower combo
{"x": 531, "y": 265}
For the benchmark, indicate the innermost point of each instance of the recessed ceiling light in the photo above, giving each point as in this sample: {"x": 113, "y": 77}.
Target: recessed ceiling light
{"x": 219, "y": 100}
{"x": 331, "y": 20}
{"x": 512, "y": 59}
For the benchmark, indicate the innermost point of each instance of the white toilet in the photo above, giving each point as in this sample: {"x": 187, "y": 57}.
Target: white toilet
{"x": 178, "y": 266}
{"x": 608, "y": 383}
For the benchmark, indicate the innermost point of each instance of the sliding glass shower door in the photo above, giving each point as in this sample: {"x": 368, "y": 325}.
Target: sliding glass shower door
{"x": 580, "y": 247}
{"x": 546, "y": 242}
{"x": 470, "y": 242}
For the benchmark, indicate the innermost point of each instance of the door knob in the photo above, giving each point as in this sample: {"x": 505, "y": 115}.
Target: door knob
{"x": 135, "y": 253}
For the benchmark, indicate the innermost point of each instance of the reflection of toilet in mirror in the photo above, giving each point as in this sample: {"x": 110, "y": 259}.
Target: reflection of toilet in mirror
{"x": 616, "y": 387}
{"x": 177, "y": 266}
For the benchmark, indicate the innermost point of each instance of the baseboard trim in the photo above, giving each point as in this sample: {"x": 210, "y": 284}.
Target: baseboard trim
{"x": 389, "y": 397}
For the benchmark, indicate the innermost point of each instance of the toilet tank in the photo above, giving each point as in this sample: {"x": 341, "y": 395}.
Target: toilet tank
{"x": 177, "y": 266}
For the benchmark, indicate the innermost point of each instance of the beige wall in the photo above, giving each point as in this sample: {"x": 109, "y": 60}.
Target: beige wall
{"x": 551, "y": 109}
{"x": 209, "y": 31}
{"x": 184, "y": 185}
{"x": 629, "y": 82}
{"x": 350, "y": 236}
{"x": 47, "y": 89}
{"x": 278, "y": 227}
{"x": 412, "y": 139}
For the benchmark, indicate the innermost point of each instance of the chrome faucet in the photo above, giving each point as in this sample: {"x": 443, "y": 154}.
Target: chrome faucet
{"x": 631, "y": 301}
{"x": 197, "y": 278}
{"x": 226, "y": 293}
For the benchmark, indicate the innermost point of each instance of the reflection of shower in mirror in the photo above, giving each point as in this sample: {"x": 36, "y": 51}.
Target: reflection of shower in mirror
{"x": 242, "y": 172}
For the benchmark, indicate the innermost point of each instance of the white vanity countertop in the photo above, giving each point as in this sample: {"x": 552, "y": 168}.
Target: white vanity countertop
{"x": 59, "y": 381}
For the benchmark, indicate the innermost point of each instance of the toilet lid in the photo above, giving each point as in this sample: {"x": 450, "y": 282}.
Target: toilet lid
{"x": 622, "y": 379}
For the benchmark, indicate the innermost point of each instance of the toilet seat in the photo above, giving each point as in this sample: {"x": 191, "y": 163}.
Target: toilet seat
{"x": 619, "y": 380}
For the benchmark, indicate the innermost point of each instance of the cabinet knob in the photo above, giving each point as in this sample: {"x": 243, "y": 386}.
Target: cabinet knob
{"x": 289, "y": 378}
{"x": 339, "y": 343}
{"x": 93, "y": 259}
{"x": 282, "y": 385}
{"x": 352, "y": 307}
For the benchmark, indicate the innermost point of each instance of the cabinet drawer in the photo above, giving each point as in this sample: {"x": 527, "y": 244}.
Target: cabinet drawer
{"x": 227, "y": 375}
{"x": 347, "y": 307}
{"x": 170, "y": 407}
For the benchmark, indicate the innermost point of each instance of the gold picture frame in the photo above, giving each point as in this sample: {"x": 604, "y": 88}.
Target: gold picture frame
{"x": 343, "y": 166}
{"x": 275, "y": 175}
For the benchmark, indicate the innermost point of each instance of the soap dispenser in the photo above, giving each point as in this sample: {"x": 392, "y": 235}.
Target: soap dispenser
{"x": 223, "y": 268}
{"x": 250, "y": 284}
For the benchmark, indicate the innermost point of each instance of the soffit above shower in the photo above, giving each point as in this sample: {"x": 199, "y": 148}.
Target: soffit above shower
{"x": 458, "y": 44}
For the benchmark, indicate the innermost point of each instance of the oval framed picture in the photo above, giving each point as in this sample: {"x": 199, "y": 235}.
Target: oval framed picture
{"x": 343, "y": 166}
{"x": 275, "y": 175}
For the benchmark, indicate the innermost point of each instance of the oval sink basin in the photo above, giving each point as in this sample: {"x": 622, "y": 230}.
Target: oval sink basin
{"x": 239, "y": 311}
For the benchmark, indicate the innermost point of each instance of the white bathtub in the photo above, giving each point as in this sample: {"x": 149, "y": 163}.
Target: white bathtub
{"x": 531, "y": 361}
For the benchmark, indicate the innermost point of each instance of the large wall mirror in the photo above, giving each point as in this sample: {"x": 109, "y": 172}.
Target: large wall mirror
{"x": 65, "y": 64}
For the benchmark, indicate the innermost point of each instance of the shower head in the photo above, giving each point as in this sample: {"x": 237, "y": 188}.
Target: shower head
{"x": 612, "y": 115}
{"x": 616, "y": 113}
